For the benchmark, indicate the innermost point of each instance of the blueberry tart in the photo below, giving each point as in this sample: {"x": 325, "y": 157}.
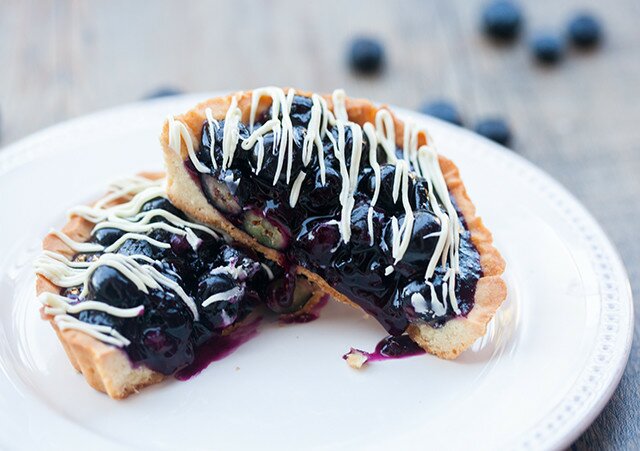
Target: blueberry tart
{"x": 137, "y": 291}
{"x": 348, "y": 195}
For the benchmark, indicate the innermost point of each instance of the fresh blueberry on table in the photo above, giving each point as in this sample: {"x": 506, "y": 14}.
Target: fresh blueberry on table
{"x": 547, "y": 48}
{"x": 163, "y": 92}
{"x": 502, "y": 20}
{"x": 495, "y": 129}
{"x": 442, "y": 110}
{"x": 366, "y": 55}
{"x": 584, "y": 31}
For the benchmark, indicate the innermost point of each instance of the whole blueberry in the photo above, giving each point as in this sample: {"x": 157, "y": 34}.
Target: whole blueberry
{"x": 502, "y": 20}
{"x": 107, "y": 235}
{"x": 495, "y": 129}
{"x": 547, "y": 48}
{"x": 366, "y": 55}
{"x": 584, "y": 31}
{"x": 162, "y": 92}
{"x": 442, "y": 110}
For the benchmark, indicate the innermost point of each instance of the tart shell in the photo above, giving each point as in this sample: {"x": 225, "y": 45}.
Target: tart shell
{"x": 448, "y": 341}
{"x": 106, "y": 368}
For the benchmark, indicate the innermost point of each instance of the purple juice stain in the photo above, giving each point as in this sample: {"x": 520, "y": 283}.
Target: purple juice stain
{"x": 218, "y": 348}
{"x": 390, "y": 347}
{"x": 306, "y": 317}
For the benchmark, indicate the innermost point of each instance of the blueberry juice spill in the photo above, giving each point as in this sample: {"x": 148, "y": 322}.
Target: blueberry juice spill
{"x": 390, "y": 347}
{"x": 217, "y": 348}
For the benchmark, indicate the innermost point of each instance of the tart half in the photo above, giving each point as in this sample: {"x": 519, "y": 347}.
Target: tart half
{"x": 137, "y": 291}
{"x": 354, "y": 199}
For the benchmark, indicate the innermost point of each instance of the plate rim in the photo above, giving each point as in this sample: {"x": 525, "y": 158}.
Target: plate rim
{"x": 565, "y": 428}
{"x": 601, "y": 250}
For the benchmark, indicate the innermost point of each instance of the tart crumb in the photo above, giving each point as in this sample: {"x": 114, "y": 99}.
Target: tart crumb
{"x": 356, "y": 359}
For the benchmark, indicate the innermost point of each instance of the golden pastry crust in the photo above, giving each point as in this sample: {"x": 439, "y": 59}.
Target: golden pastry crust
{"x": 106, "y": 368}
{"x": 445, "y": 342}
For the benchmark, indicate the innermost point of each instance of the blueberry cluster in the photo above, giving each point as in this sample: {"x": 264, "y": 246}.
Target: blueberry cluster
{"x": 165, "y": 337}
{"x": 502, "y": 20}
{"x": 308, "y": 233}
{"x": 494, "y": 128}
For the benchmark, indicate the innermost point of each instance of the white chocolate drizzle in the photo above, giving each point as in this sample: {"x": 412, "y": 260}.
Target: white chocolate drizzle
{"x": 93, "y": 247}
{"x": 313, "y": 138}
{"x": 268, "y": 271}
{"x": 74, "y": 245}
{"x": 125, "y": 188}
{"x": 105, "y": 334}
{"x": 139, "y": 269}
{"x": 236, "y": 272}
{"x": 144, "y": 276}
{"x": 224, "y": 296}
{"x": 339, "y": 98}
{"x": 370, "y": 133}
{"x": 212, "y": 135}
{"x": 282, "y": 128}
{"x": 125, "y": 210}
{"x": 231, "y": 133}
{"x": 179, "y": 132}
{"x": 400, "y": 246}
{"x": 56, "y": 305}
{"x": 295, "y": 189}
{"x": 386, "y": 133}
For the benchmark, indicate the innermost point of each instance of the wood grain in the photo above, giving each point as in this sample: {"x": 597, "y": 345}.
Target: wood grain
{"x": 579, "y": 121}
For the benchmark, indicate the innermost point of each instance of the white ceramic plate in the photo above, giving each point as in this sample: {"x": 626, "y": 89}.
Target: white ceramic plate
{"x": 549, "y": 363}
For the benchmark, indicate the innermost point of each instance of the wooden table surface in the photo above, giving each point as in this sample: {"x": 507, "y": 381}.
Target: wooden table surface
{"x": 579, "y": 121}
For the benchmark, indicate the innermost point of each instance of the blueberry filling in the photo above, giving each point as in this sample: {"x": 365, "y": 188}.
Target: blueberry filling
{"x": 226, "y": 282}
{"x": 255, "y": 193}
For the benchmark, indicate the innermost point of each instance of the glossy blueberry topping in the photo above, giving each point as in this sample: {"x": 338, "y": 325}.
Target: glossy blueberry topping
{"x": 160, "y": 338}
{"x": 308, "y": 234}
{"x": 301, "y": 112}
